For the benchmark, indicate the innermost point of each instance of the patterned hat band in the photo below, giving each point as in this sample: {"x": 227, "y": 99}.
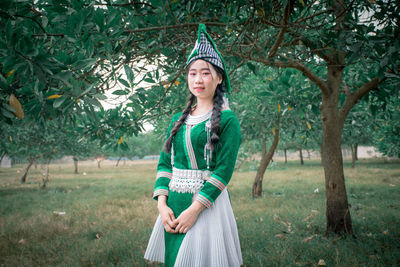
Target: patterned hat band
{"x": 210, "y": 60}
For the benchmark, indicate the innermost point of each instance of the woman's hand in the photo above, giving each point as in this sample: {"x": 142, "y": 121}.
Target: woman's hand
{"x": 167, "y": 215}
{"x": 188, "y": 217}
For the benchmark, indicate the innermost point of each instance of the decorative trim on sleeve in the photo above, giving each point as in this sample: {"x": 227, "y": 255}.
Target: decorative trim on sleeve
{"x": 203, "y": 200}
{"x": 160, "y": 191}
{"x": 164, "y": 174}
{"x": 216, "y": 183}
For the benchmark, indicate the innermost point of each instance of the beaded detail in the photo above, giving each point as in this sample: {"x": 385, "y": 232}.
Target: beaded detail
{"x": 193, "y": 120}
{"x": 188, "y": 181}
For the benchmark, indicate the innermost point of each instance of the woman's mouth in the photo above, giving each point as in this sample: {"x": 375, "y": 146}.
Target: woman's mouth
{"x": 199, "y": 89}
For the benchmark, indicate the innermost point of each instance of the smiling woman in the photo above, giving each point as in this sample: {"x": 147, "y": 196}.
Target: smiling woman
{"x": 196, "y": 225}
{"x": 203, "y": 80}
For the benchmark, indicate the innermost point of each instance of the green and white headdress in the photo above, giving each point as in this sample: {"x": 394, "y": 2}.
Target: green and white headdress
{"x": 206, "y": 50}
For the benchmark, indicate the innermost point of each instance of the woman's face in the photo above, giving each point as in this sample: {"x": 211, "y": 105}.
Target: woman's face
{"x": 203, "y": 79}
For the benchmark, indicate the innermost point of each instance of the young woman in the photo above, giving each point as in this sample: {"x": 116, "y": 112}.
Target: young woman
{"x": 196, "y": 225}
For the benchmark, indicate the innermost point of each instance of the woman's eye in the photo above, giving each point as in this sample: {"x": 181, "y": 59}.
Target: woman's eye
{"x": 206, "y": 73}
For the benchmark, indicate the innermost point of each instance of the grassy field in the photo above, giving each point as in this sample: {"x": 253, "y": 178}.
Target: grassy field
{"x": 109, "y": 215}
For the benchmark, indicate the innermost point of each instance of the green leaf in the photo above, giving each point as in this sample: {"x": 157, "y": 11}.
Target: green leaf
{"x": 120, "y": 92}
{"x": 93, "y": 101}
{"x": 3, "y": 82}
{"x": 58, "y": 102}
{"x": 124, "y": 82}
{"x": 8, "y": 107}
{"x": 252, "y": 67}
{"x": 87, "y": 90}
{"x": 149, "y": 80}
{"x": 84, "y": 63}
{"x": 45, "y": 21}
{"x": 7, "y": 113}
{"x": 129, "y": 73}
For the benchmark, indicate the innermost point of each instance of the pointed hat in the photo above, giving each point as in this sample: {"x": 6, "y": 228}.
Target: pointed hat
{"x": 206, "y": 50}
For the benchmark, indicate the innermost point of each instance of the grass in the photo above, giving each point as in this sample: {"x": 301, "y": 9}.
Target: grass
{"x": 110, "y": 215}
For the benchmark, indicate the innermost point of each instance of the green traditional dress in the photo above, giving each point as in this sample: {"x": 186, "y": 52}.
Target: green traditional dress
{"x": 192, "y": 172}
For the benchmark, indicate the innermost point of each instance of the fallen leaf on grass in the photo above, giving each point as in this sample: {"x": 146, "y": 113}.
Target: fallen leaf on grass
{"x": 321, "y": 262}
{"x": 308, "y": 217}
{"x": 308, "y": 239}
{"x": 391, "y": 185}
{"x": 281, "y": 236}
{"x": 303, "y": 263}
{"x": 59, "y": 212}
{"x": 22, "y": 241}
{"x": 98, "y": 235}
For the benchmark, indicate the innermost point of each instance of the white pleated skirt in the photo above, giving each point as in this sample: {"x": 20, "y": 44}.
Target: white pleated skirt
{"x": 213, "y": 240}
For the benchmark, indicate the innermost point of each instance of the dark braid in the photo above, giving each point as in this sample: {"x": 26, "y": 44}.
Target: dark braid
{"x": 179, "y": 123}
{"x": 216, "y": 115}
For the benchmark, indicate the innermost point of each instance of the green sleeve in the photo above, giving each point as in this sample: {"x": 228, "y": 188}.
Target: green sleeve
{"x": 226, "y": 153}
{"x": 164, "y": 168}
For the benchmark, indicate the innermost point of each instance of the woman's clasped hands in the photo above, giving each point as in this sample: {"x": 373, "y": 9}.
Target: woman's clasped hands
{"x": 185, "y": 220}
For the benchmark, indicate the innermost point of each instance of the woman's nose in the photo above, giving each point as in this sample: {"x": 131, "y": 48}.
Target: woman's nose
{"x": 198, "y": 79}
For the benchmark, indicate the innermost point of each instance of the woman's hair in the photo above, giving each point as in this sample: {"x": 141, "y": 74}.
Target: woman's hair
{"x": 215, "y": 117}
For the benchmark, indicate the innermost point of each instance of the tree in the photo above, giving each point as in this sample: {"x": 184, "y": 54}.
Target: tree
{"x": 299, "y": 35}
{"x": 32, "y": 141}
{"x": 273, "y": 96}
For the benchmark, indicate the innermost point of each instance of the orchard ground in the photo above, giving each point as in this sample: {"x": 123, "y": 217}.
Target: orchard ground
{"x": 104, "y": 217}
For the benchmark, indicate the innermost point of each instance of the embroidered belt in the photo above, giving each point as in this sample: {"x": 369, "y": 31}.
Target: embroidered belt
{"x": 188, "y": 181}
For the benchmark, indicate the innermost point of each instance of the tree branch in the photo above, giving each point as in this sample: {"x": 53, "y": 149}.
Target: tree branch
{"x": 157, "y": 28}
{"x": 281, "y": 34}
{"x": 312, "y": 16}
{"x": 352, "y": 98}
{"x": 290, "y": 63}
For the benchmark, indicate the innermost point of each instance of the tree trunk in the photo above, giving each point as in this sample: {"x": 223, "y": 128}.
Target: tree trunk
{"x": 75, "y": 165}
{"x": 356, "y": 150}
{"x": 353, "y": 155}
{"x": 320, "y": 153}
{"x": 2, "y": 156}
{"x": 308, "y": 154}
{"x": 337, "y": 209}
{"x": 119, "y": 159}
{"x": 265, "y": 159}
{"x": 301, "y": 155}
{"x": 46, "y": 178}
{"x": 25, "y": 175}
{"x": 285, "y": 151}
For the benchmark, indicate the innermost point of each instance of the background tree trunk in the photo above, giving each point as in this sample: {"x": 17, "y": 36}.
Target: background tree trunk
{"x": 75, "y": 165}
{"x": 265, "y": 159}
{"x": 285, "y": 151}
{"x": 46, "y": 177}
{"x": 119, "y": 159}
{"x": 301, "y": 155}
{"x": 2, "y": 156}
{"x": 25, "y": 175}
{"x": 356, "y": 150}
{"x": 353, "y": 155}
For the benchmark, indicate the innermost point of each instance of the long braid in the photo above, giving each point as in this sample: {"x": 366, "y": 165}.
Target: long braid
{"x": 179, "y": 123}
{"x": 216, "y": 115}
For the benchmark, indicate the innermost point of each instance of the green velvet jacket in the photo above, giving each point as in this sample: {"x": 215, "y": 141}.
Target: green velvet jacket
{"x": 188, "y": 149}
